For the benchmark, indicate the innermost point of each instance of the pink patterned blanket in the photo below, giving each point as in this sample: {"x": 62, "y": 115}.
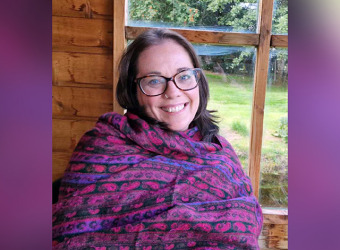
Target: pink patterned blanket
{"x": 130, "y": 185}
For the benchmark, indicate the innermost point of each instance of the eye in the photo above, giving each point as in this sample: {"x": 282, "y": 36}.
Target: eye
{"x": 185, "y": 77}
{"x": 153, "y": 81}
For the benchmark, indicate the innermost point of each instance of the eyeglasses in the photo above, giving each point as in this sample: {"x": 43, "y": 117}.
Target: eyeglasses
{"x": 154, "y": 85}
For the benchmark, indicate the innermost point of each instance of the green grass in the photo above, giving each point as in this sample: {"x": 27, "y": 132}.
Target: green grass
{"x": 240, "y": 128}
{"x": 231, "y": 96}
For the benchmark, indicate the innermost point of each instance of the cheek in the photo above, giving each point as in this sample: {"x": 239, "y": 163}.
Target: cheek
{"x": 196, "y": 100}
{"x": 147, "y": 102}
{"x": 143, "y": 100}
{"x": 140, "y": 97}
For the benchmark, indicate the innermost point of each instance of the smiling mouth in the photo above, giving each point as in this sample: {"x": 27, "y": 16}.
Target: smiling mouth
{"x": 174, "y": 109}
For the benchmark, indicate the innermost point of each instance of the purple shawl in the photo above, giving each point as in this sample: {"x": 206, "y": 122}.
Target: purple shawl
{"x": 131, "y": 185}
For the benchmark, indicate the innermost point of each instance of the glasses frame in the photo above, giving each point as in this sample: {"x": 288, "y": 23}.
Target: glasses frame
{"x": 138, "y": 80}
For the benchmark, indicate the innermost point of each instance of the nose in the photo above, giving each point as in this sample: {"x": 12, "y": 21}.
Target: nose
{"x": 172, "y": 91}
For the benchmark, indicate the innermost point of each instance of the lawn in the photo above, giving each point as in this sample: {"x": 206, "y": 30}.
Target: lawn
{"x": 231, "y": 96}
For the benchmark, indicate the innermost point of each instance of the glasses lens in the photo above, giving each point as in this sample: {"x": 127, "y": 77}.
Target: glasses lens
{"x": 153, "y": 85}
{"x": 186, "y": 79}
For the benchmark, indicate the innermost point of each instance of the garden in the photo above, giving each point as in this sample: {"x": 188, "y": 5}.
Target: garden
{"x": 231, "y": 97}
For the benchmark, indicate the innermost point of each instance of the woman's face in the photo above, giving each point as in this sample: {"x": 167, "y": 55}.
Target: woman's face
{"x": 175, "y": 107}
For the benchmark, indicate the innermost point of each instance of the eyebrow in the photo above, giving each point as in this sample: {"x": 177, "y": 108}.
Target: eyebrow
{"x": 154, "y": 73}
{"x": 181, "y": 69}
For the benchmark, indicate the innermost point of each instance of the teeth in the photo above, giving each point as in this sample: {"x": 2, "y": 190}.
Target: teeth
{"x": 174, "y": 109}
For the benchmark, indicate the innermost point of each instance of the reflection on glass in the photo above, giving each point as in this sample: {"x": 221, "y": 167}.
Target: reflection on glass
{"x": 280, "y": 17}
{"x": 274, "y": 159}
{"x": 231, "y": 15}
{"x": 230, "y": 73}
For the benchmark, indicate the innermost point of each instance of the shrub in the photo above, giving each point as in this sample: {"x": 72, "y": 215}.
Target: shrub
{"x": 282, "y": 131}
{"x": 240, "y": 128}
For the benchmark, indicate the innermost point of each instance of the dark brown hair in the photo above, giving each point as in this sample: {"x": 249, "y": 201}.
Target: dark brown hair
{"x": 127, "y": 88}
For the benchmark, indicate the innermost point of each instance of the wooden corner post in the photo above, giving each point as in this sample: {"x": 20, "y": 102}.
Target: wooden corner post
{"x": 261, "y": 75}
{"x": 119, "y": 44}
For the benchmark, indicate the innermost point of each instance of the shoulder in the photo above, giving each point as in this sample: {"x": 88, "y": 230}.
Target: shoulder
{"x": 223, "y": 141}
{"x": 107, "y": 124}
{"x": 111, "y": 117}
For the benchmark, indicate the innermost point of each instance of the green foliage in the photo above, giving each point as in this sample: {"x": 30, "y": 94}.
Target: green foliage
{"x": 233, "y": 15}
{"x": 240, "y": 128}
{"x": 282, "y": 131}
{"x": 280, "y": 17}
{"x": 174, "y": 12}
{"x": 278, "y": 71}
{"x": 240, "y": 62}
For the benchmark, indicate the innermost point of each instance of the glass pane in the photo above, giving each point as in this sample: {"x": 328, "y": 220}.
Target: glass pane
{"x": 280, "y": 17}
{"x": 230, "y": 73}
{"x": 223, "y": 15}
{"x": 274, "y": 159}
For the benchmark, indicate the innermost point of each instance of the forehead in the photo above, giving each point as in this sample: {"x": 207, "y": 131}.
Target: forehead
{"x": 166, "y": 56}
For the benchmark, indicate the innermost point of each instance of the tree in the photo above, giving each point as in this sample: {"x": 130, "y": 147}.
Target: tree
{"x": 230, "y": 15}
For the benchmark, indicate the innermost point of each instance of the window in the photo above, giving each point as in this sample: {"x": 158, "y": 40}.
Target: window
{"x": 230, "y": 73}
{"x": 274, "y": 157}
{"x": 226, "y": 35}
{"x": 280, "y": 17}
{"x": 239, "y": 16}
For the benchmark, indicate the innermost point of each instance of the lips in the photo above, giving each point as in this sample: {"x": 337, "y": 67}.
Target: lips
{"x": 173, "y": 109}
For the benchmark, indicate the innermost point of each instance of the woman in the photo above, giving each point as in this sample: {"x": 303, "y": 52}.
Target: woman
{"x": 159, "y": 177}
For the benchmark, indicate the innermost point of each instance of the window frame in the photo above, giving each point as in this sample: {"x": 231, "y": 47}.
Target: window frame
{"x": 263, "y": 40}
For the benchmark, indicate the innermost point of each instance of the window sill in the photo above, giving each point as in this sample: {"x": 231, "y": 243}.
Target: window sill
{"x": 275, "y": 216}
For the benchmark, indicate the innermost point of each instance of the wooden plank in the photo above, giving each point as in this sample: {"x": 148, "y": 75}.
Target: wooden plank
{"x": 119, "y": 44}
{"x": 81, "y": 32}
{"x": 260, "y": 83}
{"x": 199, "y": 36}
{"x": 275, "y": 216}
{"x": 59, "y": 164}
{"x": 83, "y": 8}
{"x": 87, "y": 50}
{"x": 274, "y": 237}
{"x": 66, "y": 133}
{"x": 80, "y": 102}
{"x": 80, "y": 68}
{"x": 279, "y": 41}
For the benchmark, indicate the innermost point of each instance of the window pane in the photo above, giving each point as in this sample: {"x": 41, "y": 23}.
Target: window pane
{"x": 230, "y": 73}
{"x": 225, "y": 15}
{"x": 280, "y": 17}
{"x": 274, "y": 159}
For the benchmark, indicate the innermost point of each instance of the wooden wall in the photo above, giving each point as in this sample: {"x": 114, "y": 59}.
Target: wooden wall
{"x": 82, "y": 68}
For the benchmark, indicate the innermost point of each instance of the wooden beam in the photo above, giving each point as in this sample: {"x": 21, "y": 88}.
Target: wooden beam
{"x": 279, "y": 41}
{"x": 260, "y": 84}
{"x": 119, "y": 44}
{"x": 199, "y": 36}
